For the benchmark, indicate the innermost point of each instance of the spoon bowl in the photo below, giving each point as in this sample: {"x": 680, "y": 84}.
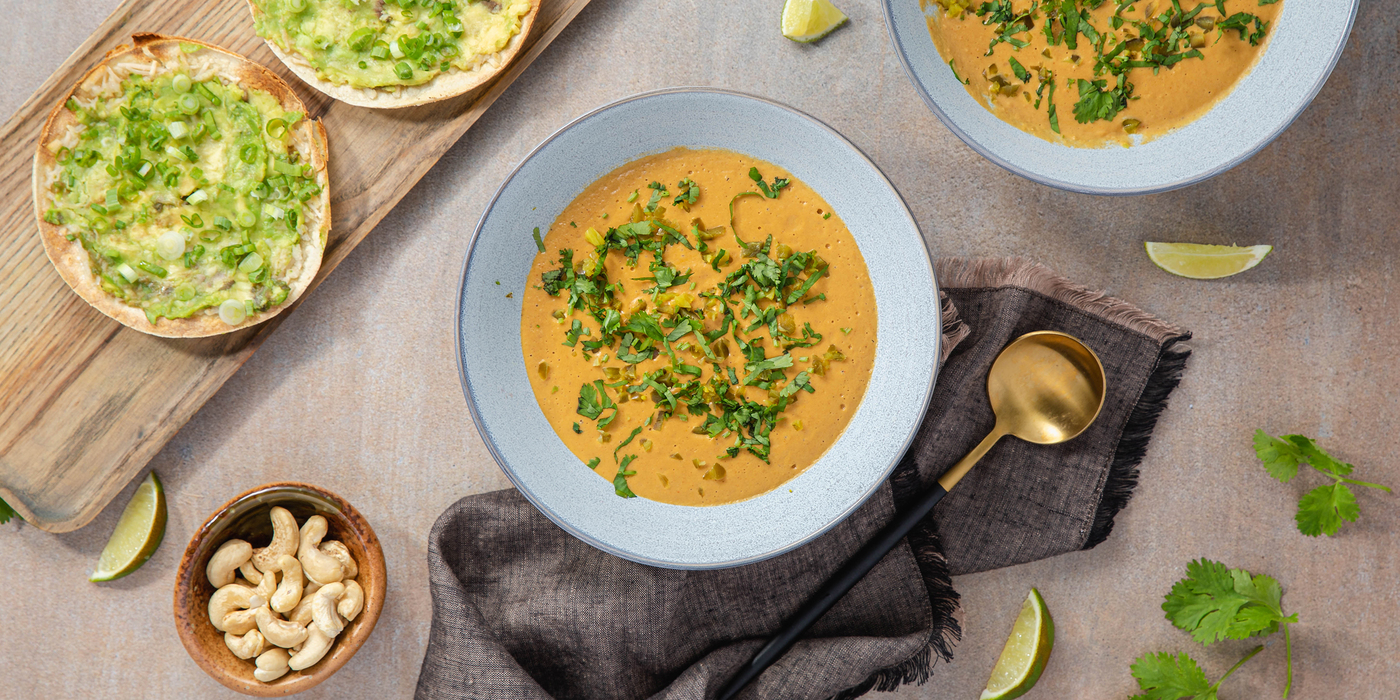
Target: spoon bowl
{"x": 1046, "y": 388}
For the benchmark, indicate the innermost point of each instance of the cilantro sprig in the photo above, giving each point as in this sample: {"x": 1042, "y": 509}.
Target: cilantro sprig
{"x": 1165, "y": 677}
{"x": 6, "y": 512}
{"x": 1321, "y": 510}
{"x": 1214, "y": 603}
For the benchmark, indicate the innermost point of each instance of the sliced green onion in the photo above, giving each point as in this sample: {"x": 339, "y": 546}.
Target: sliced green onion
{"x": 197, "y": 196}
{"x": 249, "y": 153}
{"x": 404, "y": 71}
{"x": 170, "y": 245}
{"x": 276, "y": 128}
{"x": 222, "y": 223}
{"x": 126, "y": 272}
{"x": 181, "y": 83}
{"x": 395, "y": 50}
{"x": 287, "y": 168}
{"x": 323, "y": 43}
{"x": 208, "y": 94}
{"x": 178, "y": 129}
{"x": 380, "y": 50}
{"x": 273, "y": 212}
{"x": 296, "y": 5}
{"x": 292, "y": 217}
{"x": 189, "y": 104}
{"x": 185, "y": 292}
{"x": 247, "y": 219}
{"x": 189, "y": 154}
{"x": 232, "y": 312}
{"x": 360, "y": 39}
{"x": 251, "y": 263}
{"x": 153, "y": 269}
{"x": 145, "y": 170}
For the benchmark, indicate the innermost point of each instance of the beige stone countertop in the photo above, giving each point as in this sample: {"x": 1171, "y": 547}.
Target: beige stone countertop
{"x": 358, "y": 392}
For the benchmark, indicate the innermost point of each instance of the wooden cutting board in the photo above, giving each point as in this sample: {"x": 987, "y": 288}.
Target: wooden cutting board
{"x": 84, "y": 401}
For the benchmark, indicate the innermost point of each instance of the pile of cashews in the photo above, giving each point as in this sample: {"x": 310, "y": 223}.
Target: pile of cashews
{"x": 309, "y": 581}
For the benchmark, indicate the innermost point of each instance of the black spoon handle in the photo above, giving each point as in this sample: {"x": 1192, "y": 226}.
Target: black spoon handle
{"x": 836, "y": 587}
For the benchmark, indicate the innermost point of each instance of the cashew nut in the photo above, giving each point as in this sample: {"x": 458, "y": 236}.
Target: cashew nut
{"x": 317, "y": 644}
{"x": 289, "y": 589}
{"x": 251, "y": 572}
{"x": 337, "y": 549}
{"x": 301, "y": 614}
{"x": 284, "y": 540}
{"x": 278, "y": 631}
{"x": 226, "y": 600}
{"x": 272, "y": 664}
{"x": 323, "y": 614}
{"x": 352, "y": 601}
{"x": 246, "y": 646}
{"x": 263, "y": 592}
{"x": 318, "y": 566}
{"x": 240, "y": 621}
{"x": 226, "y": 559}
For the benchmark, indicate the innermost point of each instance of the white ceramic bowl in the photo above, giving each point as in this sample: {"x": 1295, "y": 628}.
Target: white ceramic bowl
{"x": 1306, "y": 42}
{"x": 537, "y": 461}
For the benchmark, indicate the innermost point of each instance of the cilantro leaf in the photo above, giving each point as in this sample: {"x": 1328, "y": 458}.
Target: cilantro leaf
{"x": 1280, "y": 457}
{"x": 1020, "y": 70}
{"x": 770, "y": 192}
{"x": 1211, "y": 601}
{"x": 593, "y": 463}
{"x": 1322, "y": 510}
{"x": 6, "y": 512}
{"x": 689, "y": 192}
{"x": 1166, "y": 677}
{"x": 593, "y": 399}
{"x": 1097, "y": 101}
{"x": 620, "y": 480}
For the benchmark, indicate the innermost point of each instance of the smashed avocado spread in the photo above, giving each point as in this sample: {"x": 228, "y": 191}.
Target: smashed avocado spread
{"x": 187, "y": 195}
{"x": 385, "y": 43}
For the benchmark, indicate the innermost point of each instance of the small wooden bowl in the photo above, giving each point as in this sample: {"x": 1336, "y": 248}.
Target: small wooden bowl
{"x": 247, "y": 517}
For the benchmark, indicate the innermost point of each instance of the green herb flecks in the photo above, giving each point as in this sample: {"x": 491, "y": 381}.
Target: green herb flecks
{"x": 744, "y": 321}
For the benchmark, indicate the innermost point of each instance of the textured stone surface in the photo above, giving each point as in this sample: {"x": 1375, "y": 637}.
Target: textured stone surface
{"x": 358, "y": 392}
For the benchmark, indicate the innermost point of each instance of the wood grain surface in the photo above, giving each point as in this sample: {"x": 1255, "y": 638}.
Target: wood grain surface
{"x": 85, "y": 401}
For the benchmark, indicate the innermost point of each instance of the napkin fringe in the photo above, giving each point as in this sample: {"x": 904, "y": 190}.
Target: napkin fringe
{"x": 943, "y": 602}
{"x": 991, "y": 273}
{"x": 1137, "y": 433}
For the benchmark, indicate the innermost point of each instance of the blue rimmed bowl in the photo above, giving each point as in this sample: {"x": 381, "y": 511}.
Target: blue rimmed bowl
{"x": 1304, "y": 46}
{"x": 493, "y": 368}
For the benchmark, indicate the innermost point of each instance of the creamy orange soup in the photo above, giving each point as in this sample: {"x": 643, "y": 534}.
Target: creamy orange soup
{"x": 689, "y": 358}
{"x": 1128, "y": 67}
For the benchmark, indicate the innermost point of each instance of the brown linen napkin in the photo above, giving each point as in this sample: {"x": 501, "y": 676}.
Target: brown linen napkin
{"x": 522, "y": 609}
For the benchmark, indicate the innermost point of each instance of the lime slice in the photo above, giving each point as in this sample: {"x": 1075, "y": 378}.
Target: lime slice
{"x": 806, "y": 21}
{"x": 138, "y": 532}
{"x": 1026, "y": 651}
{"x": 1205, "y": 262}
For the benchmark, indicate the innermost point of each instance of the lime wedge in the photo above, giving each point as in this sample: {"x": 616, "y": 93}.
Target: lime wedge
{"x": 138, "y": 532}
{"x": 806, "y": 21}
{"x": 1026, "y": 652}
{"x": 1205, "y": 262}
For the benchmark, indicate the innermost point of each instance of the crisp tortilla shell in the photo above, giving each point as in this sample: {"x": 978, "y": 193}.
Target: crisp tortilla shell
{"x": 69, "y": 257}
{"x": 450, "y": 84}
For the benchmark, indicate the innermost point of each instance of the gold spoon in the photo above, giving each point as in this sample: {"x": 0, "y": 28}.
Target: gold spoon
{"x": 1045, "y": 387}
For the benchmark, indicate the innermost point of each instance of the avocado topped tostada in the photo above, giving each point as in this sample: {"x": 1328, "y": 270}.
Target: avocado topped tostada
{"x": 394, "y": 53}
{"x": 181, "y": 190}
